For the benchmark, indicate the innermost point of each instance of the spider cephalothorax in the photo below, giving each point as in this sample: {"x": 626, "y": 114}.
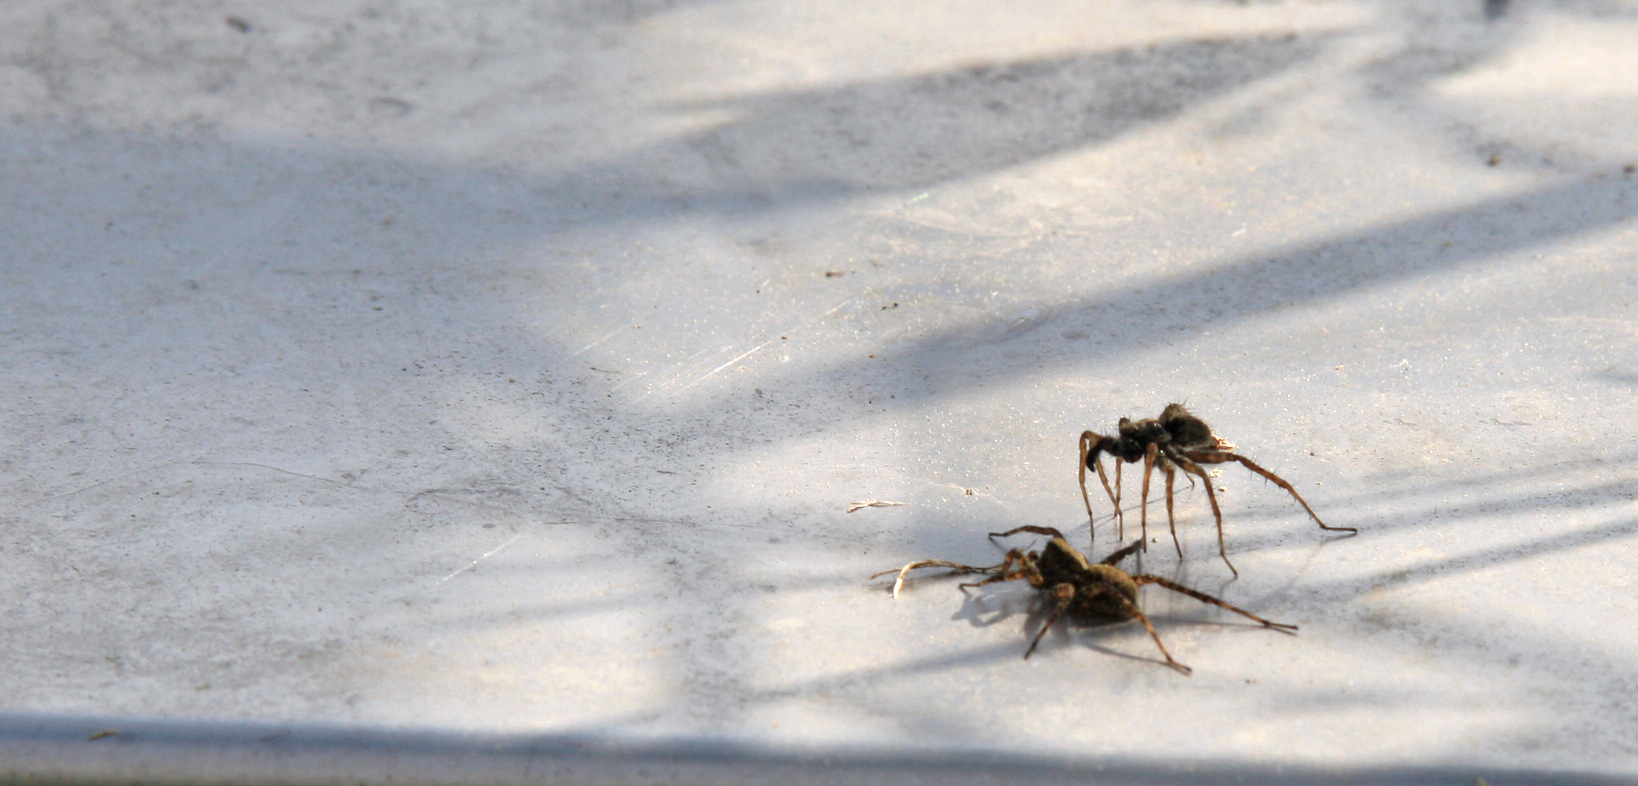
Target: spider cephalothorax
{"x": 1175, "y": 440}
{"x": 1081, "y": 590}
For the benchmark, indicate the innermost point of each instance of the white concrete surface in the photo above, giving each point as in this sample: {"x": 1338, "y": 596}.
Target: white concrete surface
{"x": 475, "y": 391}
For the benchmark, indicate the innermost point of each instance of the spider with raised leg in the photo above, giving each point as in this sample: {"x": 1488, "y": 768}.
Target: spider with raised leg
{"x": 1175, "y": 440}
{"x": 1083, "y": 591}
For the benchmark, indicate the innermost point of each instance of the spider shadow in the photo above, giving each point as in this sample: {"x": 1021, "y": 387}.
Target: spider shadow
{"x": 1199, "y": 550}
{"x": 982, "y": 609}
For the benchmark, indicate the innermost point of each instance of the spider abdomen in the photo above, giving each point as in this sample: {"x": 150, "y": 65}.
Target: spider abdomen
{"x": 1105, "y": 593}
{"x": 1186, "y": 430}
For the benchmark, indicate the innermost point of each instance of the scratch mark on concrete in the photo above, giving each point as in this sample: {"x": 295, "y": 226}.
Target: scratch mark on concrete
{"x": 606, "y": 337}
{"x": 743, "y": 355}
{"x": 117, "y": 478}
{"x": 753, "y": 350}
{"x": 490, "y": 553}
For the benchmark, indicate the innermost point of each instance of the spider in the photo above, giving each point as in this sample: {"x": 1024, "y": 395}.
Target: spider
{"x": 1176, "y": 439}
{"x": 1084, "y": 591}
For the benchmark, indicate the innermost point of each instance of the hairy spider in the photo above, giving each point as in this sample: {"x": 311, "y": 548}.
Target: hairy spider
{"x": 1176, "y": 439}
{"x": 1084, "y": 591}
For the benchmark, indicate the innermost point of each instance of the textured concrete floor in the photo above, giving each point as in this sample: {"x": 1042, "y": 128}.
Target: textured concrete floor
{"x": 466, "y": 391}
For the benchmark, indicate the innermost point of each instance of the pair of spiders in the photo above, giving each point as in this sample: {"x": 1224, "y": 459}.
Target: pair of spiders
{"x": 1090, "y": 592}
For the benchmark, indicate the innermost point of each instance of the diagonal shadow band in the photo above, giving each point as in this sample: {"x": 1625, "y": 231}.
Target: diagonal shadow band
{"x": 1131, "y": 319}
{"x": 103, "y": 750}
{"x": 918, "y": 130}
{"x": 823, "y": 144}
{"x": 1336, "y": 267}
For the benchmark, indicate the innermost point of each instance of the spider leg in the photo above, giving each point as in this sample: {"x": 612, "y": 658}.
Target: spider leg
{"x": 898, "y": 583}
{"x": 1091, "y": 520}
{"x": 1224, "y": 456}
{"x": 1115, "y": 558}
{"x": 1088, "y": 440}
{"x": 1064, "y": 593}
{"x": 1029, "y": 528}
{"x": 1171, "y": 474}
{"x": 1120, "y": 515}
{"x": 1132, "y": 608}
{"x": 1007, "y": 572}
{"x": 1144, "y": 578}
{"x": 1185, "y": 461}
{"x": 1143, "y": 507}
